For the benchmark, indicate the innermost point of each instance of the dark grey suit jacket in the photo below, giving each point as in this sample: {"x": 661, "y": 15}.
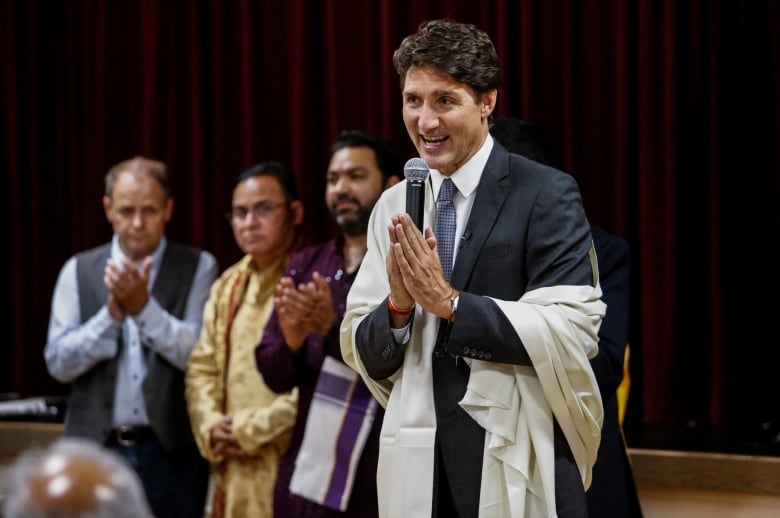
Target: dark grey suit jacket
{"x": 527, "y": 230}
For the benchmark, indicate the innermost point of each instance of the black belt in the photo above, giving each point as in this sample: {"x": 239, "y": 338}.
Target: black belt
{"x": 129, "y": 435}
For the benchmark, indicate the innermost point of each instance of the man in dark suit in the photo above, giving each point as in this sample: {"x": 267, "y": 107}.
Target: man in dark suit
{"x": 612, "y": 493}
{"x": 491, "y": 402}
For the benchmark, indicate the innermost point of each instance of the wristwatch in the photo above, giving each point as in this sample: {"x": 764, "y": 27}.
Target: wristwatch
{"x": 453, "y": 307}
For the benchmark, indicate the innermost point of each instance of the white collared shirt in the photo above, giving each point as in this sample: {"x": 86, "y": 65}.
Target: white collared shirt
{"x": 466, "y": 180}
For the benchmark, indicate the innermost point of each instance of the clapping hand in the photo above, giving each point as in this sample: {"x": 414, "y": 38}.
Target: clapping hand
{"x": 127, "y": 286}
{"x": 304, "y": 309}
{"x": 414, "y": 269}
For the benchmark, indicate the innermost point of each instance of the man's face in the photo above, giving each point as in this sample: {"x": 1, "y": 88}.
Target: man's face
{"x": 445, "y": 123}
{"x": 353, "y": 185}
{"x": 262, "y": 219}
{"x": 138, "y": 211}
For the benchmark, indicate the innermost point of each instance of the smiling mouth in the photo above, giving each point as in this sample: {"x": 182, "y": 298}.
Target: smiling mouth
{"x": 433, "y": 140}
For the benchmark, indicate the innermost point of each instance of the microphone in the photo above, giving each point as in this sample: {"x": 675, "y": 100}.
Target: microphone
{"x": 416, "y": 172}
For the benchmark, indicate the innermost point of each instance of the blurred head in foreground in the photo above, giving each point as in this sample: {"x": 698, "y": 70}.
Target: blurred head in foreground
{"x": 73, "y": 478}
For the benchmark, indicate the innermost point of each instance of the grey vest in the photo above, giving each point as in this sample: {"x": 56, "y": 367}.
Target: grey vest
{"x": 90, "y": 406}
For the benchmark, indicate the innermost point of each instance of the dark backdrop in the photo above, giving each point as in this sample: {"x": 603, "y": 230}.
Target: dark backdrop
{"x": 666, "y": 113}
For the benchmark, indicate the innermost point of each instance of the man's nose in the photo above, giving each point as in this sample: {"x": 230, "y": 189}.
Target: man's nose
{"x": 428, "y": 119}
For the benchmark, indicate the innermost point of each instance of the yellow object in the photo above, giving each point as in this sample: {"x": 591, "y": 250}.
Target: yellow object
{"x": 623, "y": 388}
{"x": 222, "y": 380}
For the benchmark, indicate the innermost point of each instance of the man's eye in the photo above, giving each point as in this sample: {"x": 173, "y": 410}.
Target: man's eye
{"x": 264, "y": 208}
{"x": 239, "y": 212}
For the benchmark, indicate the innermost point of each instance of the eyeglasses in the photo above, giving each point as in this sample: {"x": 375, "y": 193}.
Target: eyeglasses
{"x": 261, "y": 209}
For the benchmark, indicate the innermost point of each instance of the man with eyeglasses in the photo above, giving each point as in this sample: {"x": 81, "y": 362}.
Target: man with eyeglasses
{"x": 124, "y": 319}
{"x": 330, "y": 466}
{"x": 241, "y": 426}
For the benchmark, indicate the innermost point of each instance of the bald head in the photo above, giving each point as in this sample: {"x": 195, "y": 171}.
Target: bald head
{"x": 139, "y": 167}
{"x": 73, "y": 478}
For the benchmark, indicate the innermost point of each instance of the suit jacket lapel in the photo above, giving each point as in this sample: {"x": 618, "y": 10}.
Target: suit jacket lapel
{"x": 490, "y": 196}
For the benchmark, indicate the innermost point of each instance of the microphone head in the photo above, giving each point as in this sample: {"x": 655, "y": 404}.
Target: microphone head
{"x": 416, "y": 170}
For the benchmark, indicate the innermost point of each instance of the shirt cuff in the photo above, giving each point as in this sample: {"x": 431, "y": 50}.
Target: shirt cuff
{"x": 402, "y": 335}
{"x": 149, "y": 318}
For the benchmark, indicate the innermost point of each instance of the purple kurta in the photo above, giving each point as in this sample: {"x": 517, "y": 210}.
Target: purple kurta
{"x": 283, "y": 370}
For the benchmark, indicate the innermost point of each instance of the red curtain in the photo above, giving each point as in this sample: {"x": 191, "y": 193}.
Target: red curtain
{"x": 666, "y": 112}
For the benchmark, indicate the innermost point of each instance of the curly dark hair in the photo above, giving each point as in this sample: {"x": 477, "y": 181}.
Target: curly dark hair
{"x": 455, "y": 49}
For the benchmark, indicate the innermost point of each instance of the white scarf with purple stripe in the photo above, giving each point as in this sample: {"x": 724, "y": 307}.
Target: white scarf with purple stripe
{"x": 339, "y": 422}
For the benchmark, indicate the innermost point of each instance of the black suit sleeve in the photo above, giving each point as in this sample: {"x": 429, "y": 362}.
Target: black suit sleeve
{"x": 380, "y": 354}
{"x": 482, "y": 331}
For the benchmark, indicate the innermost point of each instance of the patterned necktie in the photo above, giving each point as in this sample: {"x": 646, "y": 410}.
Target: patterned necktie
{"x": 444, "y": 227}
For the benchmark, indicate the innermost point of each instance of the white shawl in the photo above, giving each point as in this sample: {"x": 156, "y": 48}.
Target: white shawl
{"x": 514, "y": 404}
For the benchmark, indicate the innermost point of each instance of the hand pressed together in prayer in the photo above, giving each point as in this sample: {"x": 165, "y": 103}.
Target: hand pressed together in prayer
{"x": 305, "y": 309}
{"x": 127, "y": 286}
{"x": 414, "y": 270}
{"x": 223, "y": 440}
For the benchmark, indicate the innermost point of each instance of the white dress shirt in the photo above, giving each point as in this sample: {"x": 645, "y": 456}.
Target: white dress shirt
{"x": 466, "y": 180}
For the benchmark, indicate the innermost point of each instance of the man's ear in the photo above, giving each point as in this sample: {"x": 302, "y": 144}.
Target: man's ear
{"x": 168, "y": 209}
{"x": 297, "y": 211}
{"x": 107, "y": 207}
{"x": 488, "y": 102}
{"x": 392, "y": 180}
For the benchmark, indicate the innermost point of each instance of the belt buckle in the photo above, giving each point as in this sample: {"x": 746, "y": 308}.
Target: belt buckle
{"x": 126, "y": 435}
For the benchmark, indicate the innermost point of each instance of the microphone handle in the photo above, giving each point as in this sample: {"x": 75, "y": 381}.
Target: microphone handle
{"x": 415, "y": 196}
